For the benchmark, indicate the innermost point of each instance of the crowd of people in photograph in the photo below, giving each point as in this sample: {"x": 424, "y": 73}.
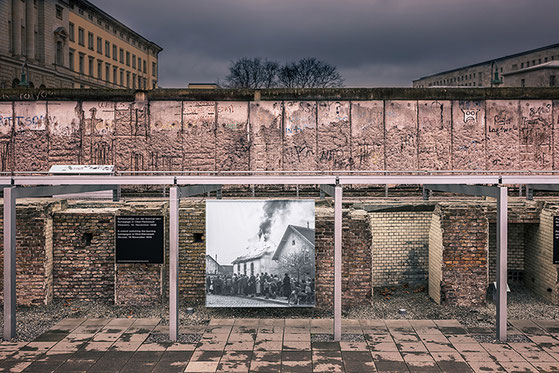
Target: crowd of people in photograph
{"x": 263, "y": 285}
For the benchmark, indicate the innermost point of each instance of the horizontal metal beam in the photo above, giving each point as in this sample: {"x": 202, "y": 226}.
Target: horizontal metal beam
{"x": 49, "y": 191}
{"x": 535, "y": 179}
{"x": 418, "y": 179}
{"x": 328, "y": 189}
{"x": 94, "y": 180}
{"x": 196, "y": 190}
{"x": 470, "y": 190}
{"x": 256, "y": 180}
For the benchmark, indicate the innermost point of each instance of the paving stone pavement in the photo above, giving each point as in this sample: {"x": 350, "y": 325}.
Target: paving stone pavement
{"x": 285, "y": 345}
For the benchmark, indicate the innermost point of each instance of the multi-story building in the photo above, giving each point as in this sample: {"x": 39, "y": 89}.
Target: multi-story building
{"x": 72, "y": 44}
{"x": 533, "y": 68}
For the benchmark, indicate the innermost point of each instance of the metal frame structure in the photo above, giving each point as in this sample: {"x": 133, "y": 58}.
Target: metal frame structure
{"x": 184, "y": 185}
{"x": 11, "y": 194}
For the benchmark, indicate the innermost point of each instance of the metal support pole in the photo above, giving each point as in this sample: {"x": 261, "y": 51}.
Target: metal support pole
{"x": 252, "y": 189}
{"x": 9, "y": 263}
{"x": 116, "y": 194}
{"x": 426, "y": 194}
{"x": 174, "y": 201}
{"x": 219, "y": 193}
{"x": 529, "y": 193}
{"x": 502, "y": 221}
{"x": 338, "y": 263}
{"x": 386, "y": 190}
{"x": 322, "y": 194}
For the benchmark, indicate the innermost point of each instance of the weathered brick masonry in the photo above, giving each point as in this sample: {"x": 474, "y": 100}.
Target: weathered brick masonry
{"x": 34, "y": 259}
{"x": 458, "y": 254}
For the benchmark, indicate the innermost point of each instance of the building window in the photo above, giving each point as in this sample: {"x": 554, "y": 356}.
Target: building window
{"x": 523, "y": 82}
{"x": 99, "y": 69}
{"x": 90, "y": 40}
{"x": 71, "y": 60}
{"x": 522, "y": 65}
{"x": 23, "y": 50}
{"x": 545, "y": 60}
{"x": 91, "y": 66}
{"x": 10, "y": 37}
{"x": 133, "y": 61}
{"x": 154, "y": 68}
{"x": 128, "y": 79}
{"x": 59, "y": 53}
{"x": 139, "y": 82}
{"x": 107, "y": 49}
{"x": 59, "y": 12}
{"x": 127, "y": 58}
{"x": 81, "y": 37}
{"x": 114, "y": 52}
{"x": 134, "y": 81}
{"x": 71, "y": 31}
{"x": 107, "y": 71}
{"x": 114, "y": 74}
{"x": 80, "y": 10}
{"x": 121, "y": 55}
{"x": 139, "y": 64}
{"x": 552, "y": 81}
{"x": 81, "y": 63}
{"x": 539, "y": 61}
{"x": 99, "y": 45}
{"x": 121, "y": 77}
{"x": 144, "y": 62}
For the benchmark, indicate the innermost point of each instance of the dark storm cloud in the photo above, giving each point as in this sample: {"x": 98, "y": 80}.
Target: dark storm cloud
{"x": 372, "y": 42}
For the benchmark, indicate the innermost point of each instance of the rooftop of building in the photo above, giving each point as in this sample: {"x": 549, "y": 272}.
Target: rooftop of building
{"x": 490, "y": 61}
{"x": 89, "y": 6}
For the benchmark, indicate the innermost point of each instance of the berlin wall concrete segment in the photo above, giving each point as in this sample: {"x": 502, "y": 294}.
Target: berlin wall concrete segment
{"x": 288, "y": 130}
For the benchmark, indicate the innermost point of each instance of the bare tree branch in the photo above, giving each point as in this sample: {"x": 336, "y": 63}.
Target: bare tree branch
{"x": 252, "y": 73}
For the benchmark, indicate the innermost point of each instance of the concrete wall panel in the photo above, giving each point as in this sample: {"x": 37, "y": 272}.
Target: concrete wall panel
{"x": 98, "y": 132}
{"x": 300, "y": 148}
{"x": 367, "y": 135}
{"x": 468, "y": 135}
{"x": 6, "y": 119}
{"x": 502, "y": 134}
{"x": 199, "y": 142}
{"x": 31, "y": 136}
{"x": 233, "y": 152}
{"x": 435, "y": 125}
{"x": 65, "y": 132}
{"x": 536, "y": 128}
{"x": 165, "y": 144}
{"x": 266, "y": 133}
{"x": 334, "y": 136}
{"x": 401, "y": 135}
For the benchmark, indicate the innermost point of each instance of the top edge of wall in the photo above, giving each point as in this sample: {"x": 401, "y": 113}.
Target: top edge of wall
{"x": 318, "y": 94}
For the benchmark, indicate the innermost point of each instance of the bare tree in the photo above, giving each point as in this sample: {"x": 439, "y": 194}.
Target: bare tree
{"x": 252, "y": 73}
{"x": 309, "y": 73}
{"x": 296, "y": 263}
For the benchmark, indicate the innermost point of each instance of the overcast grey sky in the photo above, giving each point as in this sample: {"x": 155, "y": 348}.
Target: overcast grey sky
{"x": 374, "y": 43}
{"x": 232, "y": 226}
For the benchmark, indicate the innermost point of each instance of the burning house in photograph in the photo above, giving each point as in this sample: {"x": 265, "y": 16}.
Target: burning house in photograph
{"x": 268, "y": 249}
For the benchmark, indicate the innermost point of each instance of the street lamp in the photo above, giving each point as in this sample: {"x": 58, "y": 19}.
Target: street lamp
{"x": 24, "y": 75}
{"x": 495, "y": 80}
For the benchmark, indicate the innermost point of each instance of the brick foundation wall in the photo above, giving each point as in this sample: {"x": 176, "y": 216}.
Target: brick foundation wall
{"x": 435, "y": 258}
{"x": 400, "y": 247}
{"x": 463, "y": 279}
{"x": 192, "y": 251}
{"x": 356, "y": 257}
{"x": 540, "y": 274}
{"x": 33, "y": 251}
{"x": 84, "y": 254}
{"x": 515, "y": 247}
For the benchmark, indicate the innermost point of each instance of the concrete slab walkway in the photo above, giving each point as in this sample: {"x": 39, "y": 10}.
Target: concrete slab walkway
{"x": 284, "y": 345}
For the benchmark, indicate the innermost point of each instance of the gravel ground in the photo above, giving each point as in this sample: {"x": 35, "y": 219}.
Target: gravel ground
{"x": 386, "y": 303}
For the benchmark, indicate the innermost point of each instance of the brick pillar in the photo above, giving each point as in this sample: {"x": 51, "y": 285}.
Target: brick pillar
{"x": 458, "y": 249}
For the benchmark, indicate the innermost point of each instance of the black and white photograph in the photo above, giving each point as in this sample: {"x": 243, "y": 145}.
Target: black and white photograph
{"x": 260, "y": 253}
